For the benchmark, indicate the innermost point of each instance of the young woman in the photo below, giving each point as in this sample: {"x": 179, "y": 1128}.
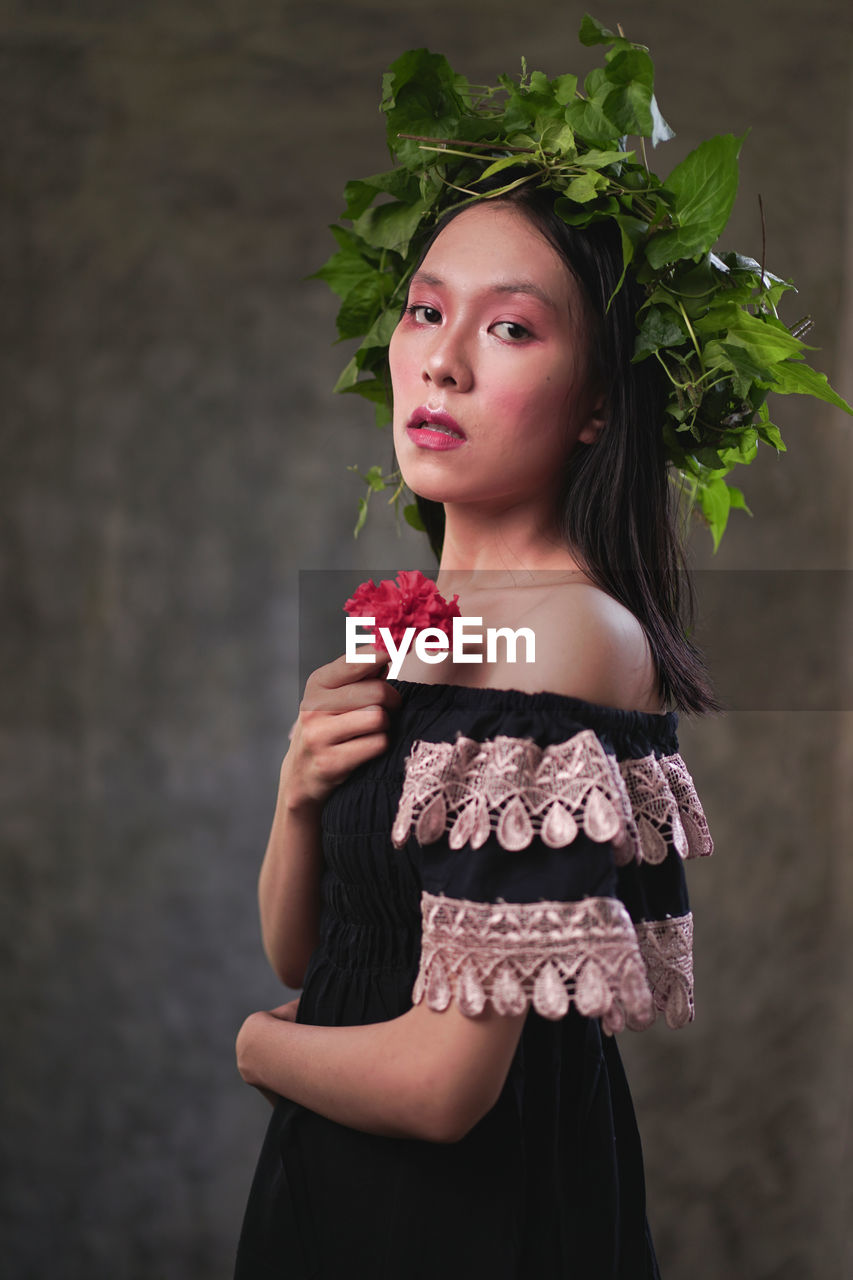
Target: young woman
{"x": 475, "y": 872}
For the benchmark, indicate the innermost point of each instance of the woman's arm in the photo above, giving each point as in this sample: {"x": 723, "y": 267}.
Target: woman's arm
{"x": 289, "y": 890}
{"x": 423, "y": 1075}
{"x": 343, "y": 721}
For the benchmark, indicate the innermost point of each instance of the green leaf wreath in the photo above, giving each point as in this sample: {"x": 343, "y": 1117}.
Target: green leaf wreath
{"x": 710, "y": 319}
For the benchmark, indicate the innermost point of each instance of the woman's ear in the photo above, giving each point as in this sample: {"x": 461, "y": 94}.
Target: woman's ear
{"x": 594, "y": 420}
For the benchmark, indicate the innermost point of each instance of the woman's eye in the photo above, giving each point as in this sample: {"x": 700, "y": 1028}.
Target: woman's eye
{"x": 424, "y": 314}
{"x": 511, "y": 332}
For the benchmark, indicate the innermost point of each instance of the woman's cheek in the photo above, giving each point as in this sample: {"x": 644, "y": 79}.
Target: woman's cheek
{"x": 520, "y": 407}
{"x": 403, "y": 347}
{"x": 397, "y": 365}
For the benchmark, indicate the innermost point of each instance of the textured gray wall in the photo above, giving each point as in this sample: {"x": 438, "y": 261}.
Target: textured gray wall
{"x": 171, "y": 456}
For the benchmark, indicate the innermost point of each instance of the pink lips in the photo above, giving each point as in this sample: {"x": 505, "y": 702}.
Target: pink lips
{"x": 432, "y": 429}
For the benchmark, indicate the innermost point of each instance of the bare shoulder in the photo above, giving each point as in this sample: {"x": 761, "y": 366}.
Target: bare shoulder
{"x": 590, "y": 646}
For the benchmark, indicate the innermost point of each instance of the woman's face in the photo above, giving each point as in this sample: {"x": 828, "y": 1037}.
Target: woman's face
{"x": 488, "y": 366}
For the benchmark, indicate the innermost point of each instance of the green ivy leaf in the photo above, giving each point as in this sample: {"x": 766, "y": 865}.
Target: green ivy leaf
{"x": 348, "y": 377}
{"x": 596, "y": 159}
{"x": 420, "y": 67}
{"x": 380, "y": 331}
{"x": 421, "y": 94}
{"x": 361, "y": 192}
{"x": 362, "y": 517}
{"x": 764, "y": 337}
{"x": 372, "y": 389}
{"x": 589, "y": 122}
{"x": 392, "y": 225}
{"x": 592, "y": 32}
{"x": 795, "y": 378}
{"x": 742, "y": 451}
{"x": 413, "y": 517}
{"x": 738, "y": 262}
{"x": 629, "y": 107}
{"x": 583, "y": 189}
{"x": 737, "y": 500}
{"x": 596, "y": 85}
{"x": 505, "y": 162}
{"x": 532, "y": 106}
{"x": 704, "y": 186}
{"x": 769, "y": 433}
{"x": 635, "y": 229}
{"x": 629, "y": 66}
{"x": 696, "y": 284}
{"x": 383, "y": 415}
{"x": 519, "y": 112}
{"x": 582, "y": 215}
{"x": 360, "y": 307}
{"x": 660, "y": 328}
{"x": 565, "y": 87}
{"x": 522, "y": 140}
{"x": 715, "y": 500}
{"x": 738, "y": 363}
{"x": 346, "y": 268}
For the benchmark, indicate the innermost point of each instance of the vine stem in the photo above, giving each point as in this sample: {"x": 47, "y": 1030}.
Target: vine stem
{"x": 694, "y": 340}
{"x": 462, "y": 142}
{"x": 693, "y": 383}
{"x": 493, "y": 195}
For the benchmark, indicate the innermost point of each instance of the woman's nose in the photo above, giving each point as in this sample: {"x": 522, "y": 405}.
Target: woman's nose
{"x": 447, "y": 362}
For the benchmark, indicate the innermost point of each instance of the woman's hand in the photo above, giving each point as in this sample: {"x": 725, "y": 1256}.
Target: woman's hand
{"x": 343, "y": 721}
{"x": 422, "y": 1075}
{"x": 286, "y": 1012}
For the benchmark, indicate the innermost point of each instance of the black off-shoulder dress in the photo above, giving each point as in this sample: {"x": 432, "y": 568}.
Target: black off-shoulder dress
{"x": 524, "y": 850}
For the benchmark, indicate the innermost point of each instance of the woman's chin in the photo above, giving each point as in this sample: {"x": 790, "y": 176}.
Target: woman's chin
{"x": 419, "y": 486}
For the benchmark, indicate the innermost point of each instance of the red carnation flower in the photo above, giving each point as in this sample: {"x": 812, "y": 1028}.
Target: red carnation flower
{"x": 410, "y": 601}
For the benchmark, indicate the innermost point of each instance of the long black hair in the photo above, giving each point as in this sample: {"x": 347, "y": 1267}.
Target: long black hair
{"x": 617, "y": 507}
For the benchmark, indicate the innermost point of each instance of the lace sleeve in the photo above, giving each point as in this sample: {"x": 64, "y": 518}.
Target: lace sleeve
{"x": 525, "y": 853}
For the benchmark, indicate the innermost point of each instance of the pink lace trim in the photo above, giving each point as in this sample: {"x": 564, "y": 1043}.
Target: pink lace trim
{"x": 518, "y": 790}
{"x": 665, "y": 808}
{"x": 693, "y": 820}
{"x": 548, "y": 954}
{"x": 667, "y": 949}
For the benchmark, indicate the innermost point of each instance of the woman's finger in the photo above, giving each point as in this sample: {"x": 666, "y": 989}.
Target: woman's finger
{"x": 372, "y": 662}
{"x": 286, "y": 1012}
{"x": 328, "y": 730}
{"x": 322, "y": 700}
{"x": 337, "y": 761}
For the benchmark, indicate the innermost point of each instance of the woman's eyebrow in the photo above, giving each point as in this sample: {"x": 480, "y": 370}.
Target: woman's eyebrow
{"x": 528, "y": 287}
{"x": 508, "y": 286}
{"x": 423, "y": 277}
